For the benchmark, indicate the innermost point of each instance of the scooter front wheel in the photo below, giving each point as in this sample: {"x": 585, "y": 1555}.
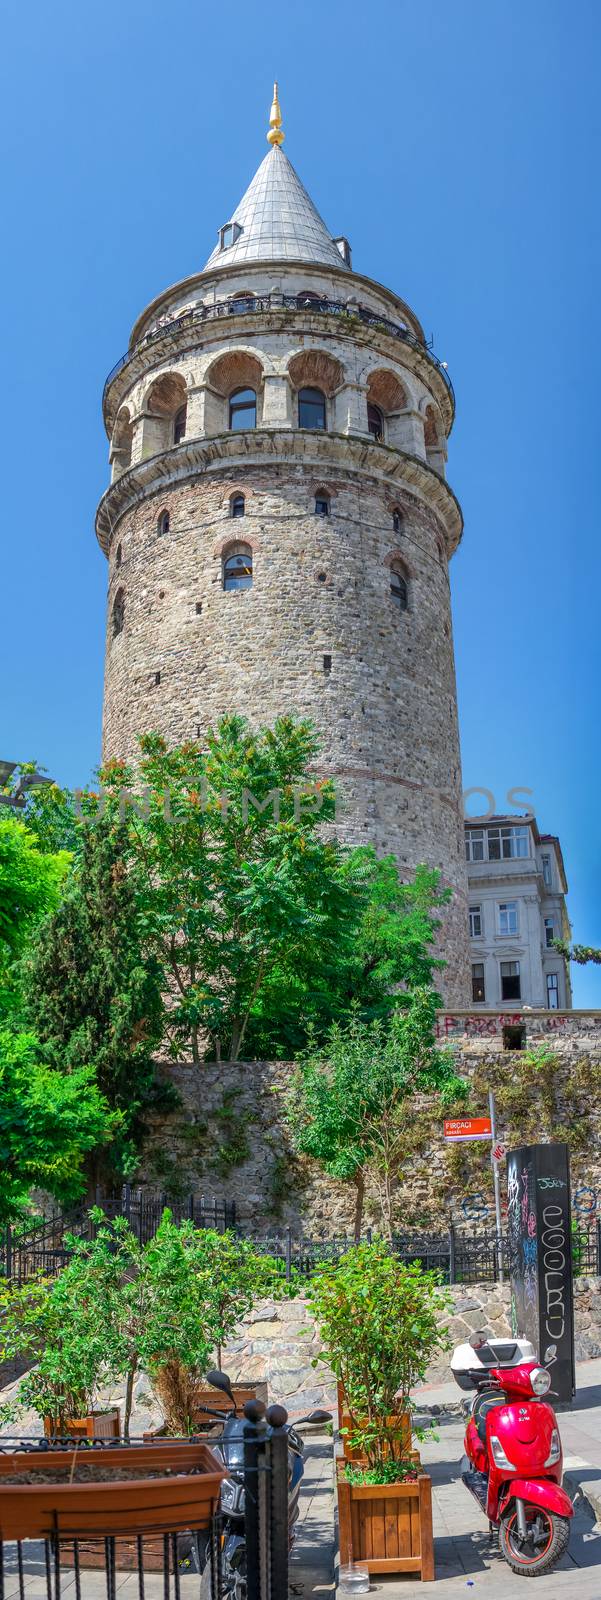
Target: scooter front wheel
{"x": 546, "y": 1540}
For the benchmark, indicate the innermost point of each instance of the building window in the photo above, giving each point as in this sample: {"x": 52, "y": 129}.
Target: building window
{"x": 118, "y": 613}
{"x": 546, "y": 865}
{"x": 399, "y": 592}
{"x": 243, "y": 409}
{"x": 510, "y": 980}
{"x": 508, "y": 917}
{"x": 311, "y": 408}
{"x": 549, "y": 932}
{"x": 552, "y": 991}
{"x": 505, "y": 844}
{"x": 397, "y": 521}
{"x": 238, "y": 568}
{"x": 237, "y": 505}
{"x": 327, "y": 664}
{"x": 475, "y": 922}
{"x": 163, "y": 522}
{"x": 474, "y": 844}
{"x": 118, "y": 556}
{"x": 322, "y": 505}
{"x": 307, "y": 298}
{"x": 179, "y": 425}
{"x": 375, "y": 422}
{"x": 478, "y": 987}
{"x": 229, "y": 234}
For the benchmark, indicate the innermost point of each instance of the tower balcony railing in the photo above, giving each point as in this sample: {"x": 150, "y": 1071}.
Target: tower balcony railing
{"x": 351, "y": 314}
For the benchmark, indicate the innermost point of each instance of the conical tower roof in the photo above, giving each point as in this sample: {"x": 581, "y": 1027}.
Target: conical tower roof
{"x": 276, "y": 218}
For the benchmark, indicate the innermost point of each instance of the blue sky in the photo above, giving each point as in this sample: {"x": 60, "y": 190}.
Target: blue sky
{"x": 458, "y": 146}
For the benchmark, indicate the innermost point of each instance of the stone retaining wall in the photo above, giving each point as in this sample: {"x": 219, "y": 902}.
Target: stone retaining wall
{"x": 230, "y": 1138}
{"x": 278, "y": 1342}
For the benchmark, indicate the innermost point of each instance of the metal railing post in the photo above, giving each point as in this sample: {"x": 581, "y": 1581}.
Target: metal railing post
{"x": 452, "y": 1261}
{"x": 288, "y": 1254}
{"x": 9, "y": 1251}
{"x": 255, "y": 1432}
{"x": 277, "y": 1528}
{"x": 598, "y": 1240}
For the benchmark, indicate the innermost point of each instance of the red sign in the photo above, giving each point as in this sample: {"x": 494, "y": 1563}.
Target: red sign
{"x": 498, "y": 1152}
{"x": 460, "y": 1128}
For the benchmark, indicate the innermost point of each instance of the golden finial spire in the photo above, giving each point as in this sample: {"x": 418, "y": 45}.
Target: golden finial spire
{"x": 275, "y": 135}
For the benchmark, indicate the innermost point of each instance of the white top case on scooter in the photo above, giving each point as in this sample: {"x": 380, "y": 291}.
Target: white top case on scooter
{"x": 468, "y": 1369}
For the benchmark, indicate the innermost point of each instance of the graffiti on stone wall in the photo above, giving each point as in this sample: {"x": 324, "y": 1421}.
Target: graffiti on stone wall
{"x": 450, "y": 1026}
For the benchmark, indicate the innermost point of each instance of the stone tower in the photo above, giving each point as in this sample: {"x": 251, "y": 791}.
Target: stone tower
{"x": 278, "y": 526}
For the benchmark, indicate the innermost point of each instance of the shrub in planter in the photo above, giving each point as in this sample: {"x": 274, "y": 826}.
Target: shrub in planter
{"x": 380, "y": 1326}
{"x": 379, "y": 1322}
{"x": 51, "y": 1324}
{"x": 168, "y": 1306}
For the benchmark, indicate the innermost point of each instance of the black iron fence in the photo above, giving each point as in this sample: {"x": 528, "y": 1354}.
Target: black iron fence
{"x": 56, "y": 1537}
{"x": 26, "y": 1251}
{"x": 459, "y": 1255}
{"x": 245, "y": 305}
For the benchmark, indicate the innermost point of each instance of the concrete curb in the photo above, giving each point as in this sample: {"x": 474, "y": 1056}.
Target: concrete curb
{"x": 581, "y": 1478}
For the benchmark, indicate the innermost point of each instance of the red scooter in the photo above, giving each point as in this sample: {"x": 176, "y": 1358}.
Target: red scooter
{"x": 513, "y": 1463}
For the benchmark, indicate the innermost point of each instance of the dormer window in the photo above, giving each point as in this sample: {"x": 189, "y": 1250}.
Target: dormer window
{"x": 229, "y": 234}
{"x": 343, "y": 246}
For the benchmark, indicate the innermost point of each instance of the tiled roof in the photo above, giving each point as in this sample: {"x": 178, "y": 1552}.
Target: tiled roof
{"x": 278, "y": 221}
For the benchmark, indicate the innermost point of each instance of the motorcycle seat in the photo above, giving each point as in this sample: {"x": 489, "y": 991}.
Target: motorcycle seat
{"x": 482, "y": 1405}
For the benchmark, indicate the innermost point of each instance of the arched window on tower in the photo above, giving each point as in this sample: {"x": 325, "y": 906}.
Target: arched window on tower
{"x": 375, "y": 422}
{"x": 243, "y": 409}
{"x": 397, "y": 520}
{"x": 322, "y": 504}
{"x": 399, "y": 592}
{"x": 237, "y": 505}
{"x": 118, "y": 612}
{"x": 238, "y": 567}
{"x": 179, "y": 425}
{"x": 163, "y": 522}
{"x": 311, "y": 408}
{"x": 118, "y": 555}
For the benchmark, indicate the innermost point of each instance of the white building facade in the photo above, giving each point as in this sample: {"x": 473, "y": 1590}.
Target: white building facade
{"x": 517, "y": 909}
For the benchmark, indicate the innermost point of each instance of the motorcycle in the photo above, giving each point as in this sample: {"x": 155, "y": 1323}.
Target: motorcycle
{"x": 230, "y": 1448}
{"x": 513, "y": 1461}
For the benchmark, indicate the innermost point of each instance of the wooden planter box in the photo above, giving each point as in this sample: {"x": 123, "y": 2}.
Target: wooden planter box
{"x": 400, "y": 1423}
{"x": 97, "y": 1425}
{"x": 388, "y": 1527}
{"x": 179, "y": 1499}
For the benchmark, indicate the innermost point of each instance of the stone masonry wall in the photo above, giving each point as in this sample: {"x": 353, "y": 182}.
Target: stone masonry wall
{"x": 278, "y": 1342}
{"x": 229, "y": 1136}
{"x": 317, "y": 636}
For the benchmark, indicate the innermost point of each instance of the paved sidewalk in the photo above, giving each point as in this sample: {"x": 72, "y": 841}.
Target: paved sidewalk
{"x": 312, "y": 1560}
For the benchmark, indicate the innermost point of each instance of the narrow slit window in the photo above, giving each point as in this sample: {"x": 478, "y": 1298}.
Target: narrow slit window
{"x": 237, "y": 505}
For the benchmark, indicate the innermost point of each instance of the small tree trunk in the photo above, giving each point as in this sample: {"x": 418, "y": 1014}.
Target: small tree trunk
{"x": 359, "y": 1199}
{"x": 129, "y": 1396}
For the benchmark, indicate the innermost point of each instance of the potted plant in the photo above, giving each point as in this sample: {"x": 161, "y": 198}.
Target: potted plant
{"x": 62, "y": 1333}
{"x": 169, "y": 1306}
{"x": 380, "y": 1323}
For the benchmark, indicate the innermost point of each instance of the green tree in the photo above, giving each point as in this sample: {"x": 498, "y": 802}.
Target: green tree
{"x": 30, "y": 887}
{"x": 384, "y": 950}
{"x": 352, "y": 1098}
{"x": 580, "y": 953}
{"x": 236, "y": 881}
{"x": 93, "y": 990}
{"x": 49, "y": 1122}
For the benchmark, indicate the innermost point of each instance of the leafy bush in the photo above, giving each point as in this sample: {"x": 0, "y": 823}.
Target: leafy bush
{"x": 380, "y": 1326}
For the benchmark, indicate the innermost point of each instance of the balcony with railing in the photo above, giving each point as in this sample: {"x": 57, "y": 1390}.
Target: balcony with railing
{"x": 351, "y": 318}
